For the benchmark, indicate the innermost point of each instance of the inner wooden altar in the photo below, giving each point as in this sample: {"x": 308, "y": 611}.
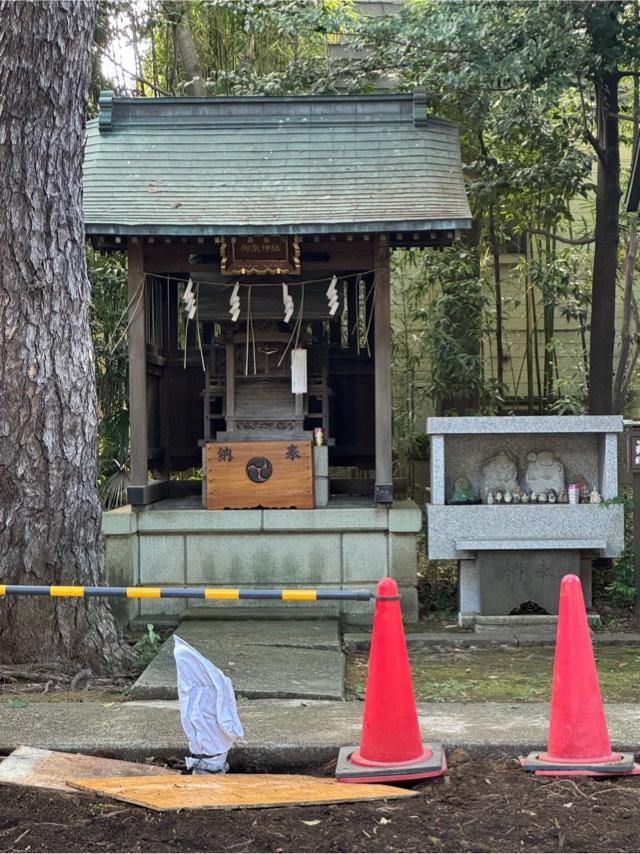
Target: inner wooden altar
{"x": 248, "y": 384}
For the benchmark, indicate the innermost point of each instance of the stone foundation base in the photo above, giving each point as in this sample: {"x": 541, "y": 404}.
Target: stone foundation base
{"x": 498, "y": 582}
{"x": 330, "y": 547}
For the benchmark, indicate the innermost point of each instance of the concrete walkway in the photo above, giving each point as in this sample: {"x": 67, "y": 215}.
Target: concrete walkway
{"x": 283, "y": 734}
{"x": 264, "y": 658}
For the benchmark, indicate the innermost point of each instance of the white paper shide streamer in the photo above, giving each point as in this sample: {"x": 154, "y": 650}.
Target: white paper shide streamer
{"x": 189, "y": 299}
{"x": 234, "y": 303}
{"x": 332, "y": 295}
{"x": 299, "y": 371}
{"x": 208, "y": 710}
{"x": 287, "y": 300}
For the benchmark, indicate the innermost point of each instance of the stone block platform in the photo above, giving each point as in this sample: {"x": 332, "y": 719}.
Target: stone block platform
{"x": 349, "y": 543}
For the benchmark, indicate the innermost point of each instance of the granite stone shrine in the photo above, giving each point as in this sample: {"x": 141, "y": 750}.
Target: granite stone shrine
{"x": 515, "y": 547}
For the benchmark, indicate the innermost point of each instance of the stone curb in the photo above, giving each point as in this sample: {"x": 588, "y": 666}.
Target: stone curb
{"x": 283, "y": 735}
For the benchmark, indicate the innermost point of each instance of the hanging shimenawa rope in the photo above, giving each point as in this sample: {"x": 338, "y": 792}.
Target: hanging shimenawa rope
{"x": 295, "y": 332}
{"x": 356, "y": 325}
{"x": 345, "y": 277}
{"x": 188, "y": 298}
{"x": 371, "y": 293}
{"x": 363, "y": 306}
{"x": 251, "y": 338}
{"x": 136, "y": 300}
{"x": 198, "y": 337}
{"x": 192, "y": 304}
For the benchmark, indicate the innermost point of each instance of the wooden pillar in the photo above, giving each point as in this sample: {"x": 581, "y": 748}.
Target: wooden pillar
{"x": 383, "y": 493}
{"x": 138, "y": 436}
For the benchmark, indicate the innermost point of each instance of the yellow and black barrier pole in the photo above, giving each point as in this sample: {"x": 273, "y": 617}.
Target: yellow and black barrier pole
{"x": 283, "y": 594}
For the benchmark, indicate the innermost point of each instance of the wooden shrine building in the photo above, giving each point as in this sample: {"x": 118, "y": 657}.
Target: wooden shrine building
{"x": 258, "y": 232}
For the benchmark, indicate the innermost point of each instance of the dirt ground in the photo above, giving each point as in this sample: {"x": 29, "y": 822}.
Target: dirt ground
{"x": 479, "y": 806}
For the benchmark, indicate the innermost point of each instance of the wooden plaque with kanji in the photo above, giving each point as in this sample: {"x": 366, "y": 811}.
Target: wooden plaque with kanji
{"x": 243, "y": 475}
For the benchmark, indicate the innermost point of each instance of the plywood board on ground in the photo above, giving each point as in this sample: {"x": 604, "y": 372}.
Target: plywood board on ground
{"x": 235, "y": 791}
{"x": 276, "y": 474}
{"x": 48, "y": 769}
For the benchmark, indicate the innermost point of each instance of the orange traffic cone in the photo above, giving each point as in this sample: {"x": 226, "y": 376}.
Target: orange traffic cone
{"x": 391, "y": 747}
{"x": 578, "y": 737}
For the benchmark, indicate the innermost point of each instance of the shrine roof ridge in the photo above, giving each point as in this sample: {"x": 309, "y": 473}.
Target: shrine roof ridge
{"x": 259, "y": 110}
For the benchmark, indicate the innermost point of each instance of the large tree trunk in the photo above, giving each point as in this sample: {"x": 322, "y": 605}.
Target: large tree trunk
{"x": 50, "y": 513}
{"x": 187, "y": 50}
{"x": 605, "y": 262}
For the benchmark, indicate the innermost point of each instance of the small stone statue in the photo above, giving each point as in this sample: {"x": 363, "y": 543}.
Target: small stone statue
{"x": 585, "y": 495}
{"x": 545, "y": 471}
{"x": 533, "y": 496}
{"x": 463, "y": 492}
{"x": 490, "y": 498}
{"x": 542, "y": 498}
{"x": 551, "y": 496}
{"x": 524, "y": 498}
{"x": 499, "y": 497}
{"x": 500, "y": 473}
{"x": 595, "y": 496}
{"x": 563, "y": 498}
{"x": 508, "y": 497}
{"x": 518, "y": 494}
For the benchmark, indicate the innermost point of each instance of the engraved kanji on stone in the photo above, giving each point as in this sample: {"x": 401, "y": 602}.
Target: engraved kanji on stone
{"x": 225, "y": 455}
{"x": 292, "y": 452}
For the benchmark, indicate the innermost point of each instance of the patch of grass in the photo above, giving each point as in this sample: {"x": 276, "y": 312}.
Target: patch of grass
{"x": 147, "y": 647}
{"x": 502, "y": 675}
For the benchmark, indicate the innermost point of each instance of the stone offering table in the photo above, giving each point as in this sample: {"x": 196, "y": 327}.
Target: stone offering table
{"x": 511, "y": 554}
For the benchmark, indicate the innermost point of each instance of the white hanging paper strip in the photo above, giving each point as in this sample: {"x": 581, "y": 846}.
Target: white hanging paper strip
{"x": 332, "y": 295}
{"x": 188, "y": 291}
{"x": 287, "y": 299}
{"x": 299, "y": 371}
{"x": 234, "y": 303}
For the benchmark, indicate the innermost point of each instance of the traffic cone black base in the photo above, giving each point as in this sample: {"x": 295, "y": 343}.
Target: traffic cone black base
{"x": 541, "y": 767}
{"x": 623, "y": 765}
{"x": 433, "y": 763}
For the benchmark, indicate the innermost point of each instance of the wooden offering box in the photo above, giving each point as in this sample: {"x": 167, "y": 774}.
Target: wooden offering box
{"x": 275, "y": 474}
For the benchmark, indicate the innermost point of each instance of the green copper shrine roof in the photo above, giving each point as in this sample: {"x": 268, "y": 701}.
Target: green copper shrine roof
{"x": 259, "y": 165}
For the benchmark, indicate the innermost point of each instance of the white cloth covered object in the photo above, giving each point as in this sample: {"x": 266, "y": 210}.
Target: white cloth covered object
{"x": 208, "y": 709}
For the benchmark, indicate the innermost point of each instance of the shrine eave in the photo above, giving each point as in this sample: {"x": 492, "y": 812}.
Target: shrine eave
{"x": 125, "y": 230}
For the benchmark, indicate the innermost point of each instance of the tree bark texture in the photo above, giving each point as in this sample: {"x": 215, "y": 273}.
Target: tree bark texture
{"x": 187, "y": 50}
{"x": 627, "y": 342}
{"x": 605, "y": 262}
{"x": 50, "y": 514}
{"x": 495, "y": 252}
